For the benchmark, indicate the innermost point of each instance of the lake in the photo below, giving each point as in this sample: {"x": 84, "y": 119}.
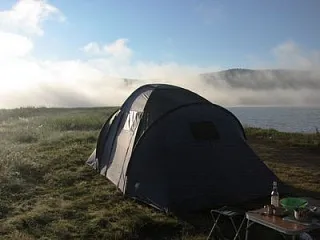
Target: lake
{"x": 286, "y": 119}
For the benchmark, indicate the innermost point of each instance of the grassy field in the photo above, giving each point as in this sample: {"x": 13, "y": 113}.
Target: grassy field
{"x": 47, "y": 191}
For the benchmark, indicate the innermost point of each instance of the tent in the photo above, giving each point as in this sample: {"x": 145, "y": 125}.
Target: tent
{"x": 176, "y": 151}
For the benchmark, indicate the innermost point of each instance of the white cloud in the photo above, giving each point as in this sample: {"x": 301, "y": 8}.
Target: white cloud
{"x": 14, "y": 45}
{"x": 28, "y": 15}
{"x": 117, "y": 49}
{"x": 290, "y": 55}
{"x": 92, "y": 48}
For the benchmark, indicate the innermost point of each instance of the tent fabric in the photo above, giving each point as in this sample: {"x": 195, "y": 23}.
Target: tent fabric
{"x": 175, "y": 150}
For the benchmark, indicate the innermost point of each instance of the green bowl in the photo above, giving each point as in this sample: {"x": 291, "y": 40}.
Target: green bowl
{"x": 292, "y": 203}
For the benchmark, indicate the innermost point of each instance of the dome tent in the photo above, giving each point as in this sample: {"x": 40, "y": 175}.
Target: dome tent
{"x": 176, "y": 151}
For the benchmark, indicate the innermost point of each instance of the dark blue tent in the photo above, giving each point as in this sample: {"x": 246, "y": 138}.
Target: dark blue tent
{"x": 175, "y": 150}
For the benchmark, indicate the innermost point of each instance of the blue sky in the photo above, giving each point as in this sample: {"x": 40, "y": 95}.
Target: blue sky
{"x": 223, "y": 33}
{"x": 189, "y": 31}
{"x": 53, "y": 46}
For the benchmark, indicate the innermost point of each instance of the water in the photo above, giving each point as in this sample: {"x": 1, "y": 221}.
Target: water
{"x": 286, "y": 119}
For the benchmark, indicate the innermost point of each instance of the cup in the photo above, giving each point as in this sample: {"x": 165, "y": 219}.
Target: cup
{"x": 269, "y": 209}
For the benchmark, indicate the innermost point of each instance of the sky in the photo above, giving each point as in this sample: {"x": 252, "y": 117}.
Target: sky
{"x": 73, "y": 53}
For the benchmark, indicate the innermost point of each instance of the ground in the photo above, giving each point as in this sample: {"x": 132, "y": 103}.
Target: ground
{"x": 47, "y": 191}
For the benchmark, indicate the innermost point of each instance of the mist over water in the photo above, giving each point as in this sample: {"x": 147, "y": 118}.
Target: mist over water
{"x": 228, "y": 88}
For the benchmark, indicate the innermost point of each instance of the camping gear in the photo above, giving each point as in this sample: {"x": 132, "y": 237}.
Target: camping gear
{"x": 176, "y": 151}
{"x": 269, "y": 209}
{"x": 230, "y": 213}
{"x": 286, "y": 226}
{"x": 291, "y": 203}
{"x": 302, "y": 214}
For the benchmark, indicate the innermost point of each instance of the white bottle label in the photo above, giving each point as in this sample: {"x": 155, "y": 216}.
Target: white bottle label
{"x": 275, "y": 201}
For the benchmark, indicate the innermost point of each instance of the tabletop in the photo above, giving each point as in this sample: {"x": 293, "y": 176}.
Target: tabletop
{"x": 277, "y": 223}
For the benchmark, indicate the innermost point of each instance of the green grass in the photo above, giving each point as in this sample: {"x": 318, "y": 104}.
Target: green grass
{"x": 66, "y": 123}
{"x": 302, "y": 140}
{"x": 47, "y": 191}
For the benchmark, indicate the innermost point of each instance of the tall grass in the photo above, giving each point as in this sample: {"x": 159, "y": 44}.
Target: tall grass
{"x": 75, "y": 123}
{"x": 25, "y": 112}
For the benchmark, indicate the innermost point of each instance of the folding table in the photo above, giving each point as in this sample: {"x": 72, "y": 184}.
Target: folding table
{"x": 277, "y": 223}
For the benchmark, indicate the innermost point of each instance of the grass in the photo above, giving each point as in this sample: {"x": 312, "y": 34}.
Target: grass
{"x": 300, "y": 140}
{"x": 47, "y": 191}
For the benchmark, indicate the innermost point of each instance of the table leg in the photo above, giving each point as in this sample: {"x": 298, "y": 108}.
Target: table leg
{"x": 247, "y": 229}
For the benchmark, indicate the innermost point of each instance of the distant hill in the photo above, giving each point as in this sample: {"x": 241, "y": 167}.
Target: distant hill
{"x": 264, "y": 79}
{"x": 254, "y": 79}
